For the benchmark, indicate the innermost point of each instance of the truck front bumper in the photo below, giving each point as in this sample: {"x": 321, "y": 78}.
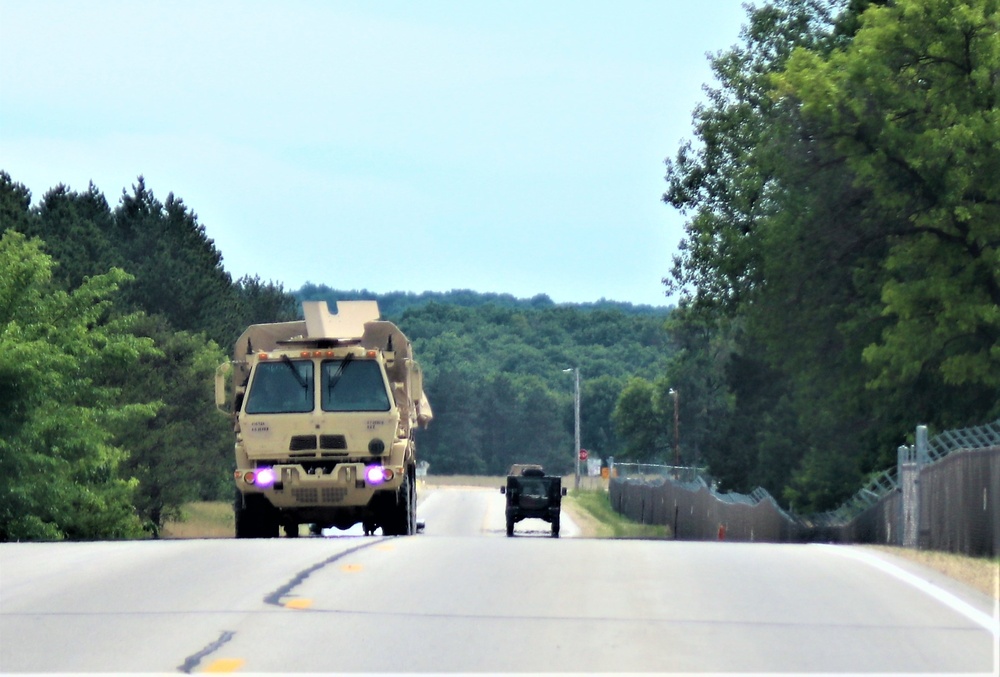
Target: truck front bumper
{"x": 291, "y": 486}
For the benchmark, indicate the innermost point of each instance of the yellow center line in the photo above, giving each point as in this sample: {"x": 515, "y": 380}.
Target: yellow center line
{"x": 225, "y": 665}
{"x": 298, "y": 604}
{"x": 351, "y": 568}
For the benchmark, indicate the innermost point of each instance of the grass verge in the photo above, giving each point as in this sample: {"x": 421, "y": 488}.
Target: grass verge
{"x": 592, "y": 510}
{"x": 981, "y": 573}
{"x": 202, "y": 519}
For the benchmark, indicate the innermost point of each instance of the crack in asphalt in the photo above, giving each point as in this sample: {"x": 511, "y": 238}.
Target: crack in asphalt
{"x": 273, "y": 598}
{"x": 192, "y": 661}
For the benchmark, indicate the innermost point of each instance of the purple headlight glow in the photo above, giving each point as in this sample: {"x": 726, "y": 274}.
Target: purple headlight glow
{"x": 374, "y": 474}
{"x": 264, "y": 478}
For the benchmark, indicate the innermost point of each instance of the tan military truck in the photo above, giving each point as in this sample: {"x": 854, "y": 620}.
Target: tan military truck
{"x": 324, "y": 411}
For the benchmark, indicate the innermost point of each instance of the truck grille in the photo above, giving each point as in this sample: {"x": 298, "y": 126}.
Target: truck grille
{"x": 300, "y": 442}
{"x": 327, "y": 495}
{"x": 332, "y": 442}
{"x": 305, "y": 495}
{"x": 334, "y": 494}
{"x": 308, "y": 442}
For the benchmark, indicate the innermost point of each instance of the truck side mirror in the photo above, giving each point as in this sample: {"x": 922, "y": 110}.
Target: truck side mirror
{"x": 221, "y": 397}
{"x": 503, "y": 490}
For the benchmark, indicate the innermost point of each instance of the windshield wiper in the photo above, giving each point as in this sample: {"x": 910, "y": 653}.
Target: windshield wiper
{"x": 335, "y": 377}
{"x": 295, "y": 372}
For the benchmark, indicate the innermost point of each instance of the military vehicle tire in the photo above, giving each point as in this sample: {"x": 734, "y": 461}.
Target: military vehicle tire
{"x": 510, "y": 526}
{"x": 555, "y": 528}
{"x": 411, "y": 498}
{"x": 401, "y": 517}
{"x": 255, "y": 517}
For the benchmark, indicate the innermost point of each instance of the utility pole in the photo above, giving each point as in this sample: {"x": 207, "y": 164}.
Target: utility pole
{"x": 677, "y": 422}
{"x": 576, "y": 423}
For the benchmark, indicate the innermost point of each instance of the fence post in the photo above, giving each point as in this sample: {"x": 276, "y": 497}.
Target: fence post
{"x": 908, "y": 474}
{"x": 923, "y": 449}
{"x": 911, "y": 461}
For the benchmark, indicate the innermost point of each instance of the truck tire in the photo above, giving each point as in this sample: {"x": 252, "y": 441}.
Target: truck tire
{"x": 510, "y": 526}
{"x": 555, "y": 527}
{"x": 401, "y": 519}
{"x": 255, "y": 517}
{"x": 412, "y": 527}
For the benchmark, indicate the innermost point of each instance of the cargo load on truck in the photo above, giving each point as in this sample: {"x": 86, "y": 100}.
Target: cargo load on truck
{"x": 324, "y": 413}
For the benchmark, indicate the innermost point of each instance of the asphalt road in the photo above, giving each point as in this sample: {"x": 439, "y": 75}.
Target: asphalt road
{"x": 464, "y": 597}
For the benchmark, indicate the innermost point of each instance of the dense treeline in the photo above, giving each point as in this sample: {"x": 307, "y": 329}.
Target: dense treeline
{"x": 111, "y": 322}
{"x": 840, "y": 274}
{"x": 495, "y": 373}
{"x": 394, "y": 304}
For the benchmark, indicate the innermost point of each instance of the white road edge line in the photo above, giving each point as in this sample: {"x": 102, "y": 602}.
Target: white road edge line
{"x": 990, "y": 623}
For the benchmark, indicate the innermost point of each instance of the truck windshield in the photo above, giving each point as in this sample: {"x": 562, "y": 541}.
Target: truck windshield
{"x": 353, "y": 385}
{"x": 284, "y": 387}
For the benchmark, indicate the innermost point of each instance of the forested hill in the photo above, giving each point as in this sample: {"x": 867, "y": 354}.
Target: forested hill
{"x": 394, "y": 304}
{"x": 496, "y": 372}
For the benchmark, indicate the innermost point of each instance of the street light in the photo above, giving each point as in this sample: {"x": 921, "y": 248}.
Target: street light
{"x": 576, "y": 423}
{"x": 677, "y": 450}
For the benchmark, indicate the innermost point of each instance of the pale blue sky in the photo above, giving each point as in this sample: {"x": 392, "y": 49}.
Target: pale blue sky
{"x": 511, "y": 147}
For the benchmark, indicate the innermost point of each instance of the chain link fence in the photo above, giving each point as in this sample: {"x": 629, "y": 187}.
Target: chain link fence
{"x": 694, "y": 510}
{"x": 944, "y": 494}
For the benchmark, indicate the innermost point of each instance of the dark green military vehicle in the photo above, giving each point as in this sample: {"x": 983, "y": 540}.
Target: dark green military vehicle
{"x": 532, "y": 493}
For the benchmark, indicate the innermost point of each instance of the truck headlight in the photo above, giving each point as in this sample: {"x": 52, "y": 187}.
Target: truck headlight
{"x": 376, "y": 474}
{"x": 265, "y": 478}
{"x": 262, "y": 478}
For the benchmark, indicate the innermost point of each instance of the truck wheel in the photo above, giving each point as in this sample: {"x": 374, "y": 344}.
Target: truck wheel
{"x": 400, "y": 519}
{"x": 555, "y": 528}
{"x": 510, "y": 526}
{"x": 255, "y": 517}
{"x": 412, "y": 528}
{"x": 406, "y": 513}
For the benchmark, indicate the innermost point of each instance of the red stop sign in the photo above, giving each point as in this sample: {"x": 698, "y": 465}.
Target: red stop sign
{"x": 583, "y": 454}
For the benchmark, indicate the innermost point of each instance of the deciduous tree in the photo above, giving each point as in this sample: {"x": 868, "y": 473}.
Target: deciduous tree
{"x": 59, "y": 464}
